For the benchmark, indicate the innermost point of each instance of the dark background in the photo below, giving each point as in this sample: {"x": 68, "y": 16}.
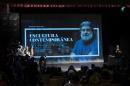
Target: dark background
{"x": 115, "y": 24}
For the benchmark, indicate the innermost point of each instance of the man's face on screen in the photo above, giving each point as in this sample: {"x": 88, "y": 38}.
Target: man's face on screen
{"x": 86, "y": 33}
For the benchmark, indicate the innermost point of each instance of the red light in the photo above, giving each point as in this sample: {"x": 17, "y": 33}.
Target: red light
{"x": 31, "y": 5}
{"x": 34, "y": 5}
{"x": 47, "y": 5}
{"x": 40, "y": 5}
{"x": 44, "y": 5}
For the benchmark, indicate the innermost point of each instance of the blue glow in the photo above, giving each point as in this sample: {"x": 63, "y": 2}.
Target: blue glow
{"x": 58, "y": 29}
{"x": 52, "y": 28}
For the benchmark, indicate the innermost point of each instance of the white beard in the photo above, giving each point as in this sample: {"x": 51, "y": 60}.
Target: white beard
{"x": 87, "y": 38}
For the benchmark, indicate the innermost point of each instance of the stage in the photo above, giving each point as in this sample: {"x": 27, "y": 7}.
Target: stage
{"x": 77, "y": 64}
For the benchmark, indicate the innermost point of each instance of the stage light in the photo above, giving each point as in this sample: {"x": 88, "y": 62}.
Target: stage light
{"x": 123, "y": 8}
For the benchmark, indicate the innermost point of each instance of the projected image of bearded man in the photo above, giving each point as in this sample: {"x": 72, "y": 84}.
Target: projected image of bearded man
{"x": 87, "y": 44}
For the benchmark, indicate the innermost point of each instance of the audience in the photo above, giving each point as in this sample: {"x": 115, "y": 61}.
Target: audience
{"x": 16, "y": 70}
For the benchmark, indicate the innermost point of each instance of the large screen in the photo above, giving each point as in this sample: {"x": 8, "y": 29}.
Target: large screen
{"x": 63, "y": 38}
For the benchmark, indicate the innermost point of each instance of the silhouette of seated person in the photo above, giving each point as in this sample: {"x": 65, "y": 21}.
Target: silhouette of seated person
{"x": 71, "y": 73}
